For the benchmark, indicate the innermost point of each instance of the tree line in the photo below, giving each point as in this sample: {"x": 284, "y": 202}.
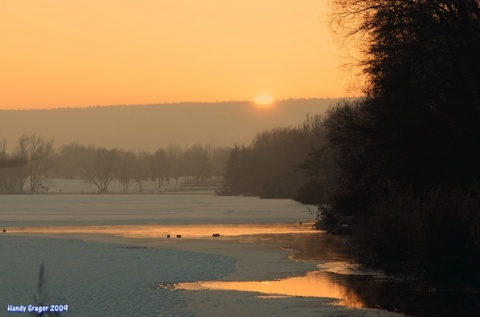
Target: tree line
{"x": 269, "y": 167}
{"x": 34, "y": 160}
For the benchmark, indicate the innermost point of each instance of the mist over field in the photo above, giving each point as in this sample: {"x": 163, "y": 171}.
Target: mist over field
{"x": 148, "y": 127}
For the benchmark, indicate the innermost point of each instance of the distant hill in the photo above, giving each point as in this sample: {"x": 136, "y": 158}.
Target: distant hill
{"x": 148, "y": 127}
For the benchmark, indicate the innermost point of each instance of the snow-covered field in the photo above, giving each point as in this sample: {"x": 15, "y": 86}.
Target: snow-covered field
{"x": 108, "y": 255}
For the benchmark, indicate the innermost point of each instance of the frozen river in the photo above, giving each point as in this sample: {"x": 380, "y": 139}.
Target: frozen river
{"x": 109, "y": 255}
{"x": 146, "y": 209}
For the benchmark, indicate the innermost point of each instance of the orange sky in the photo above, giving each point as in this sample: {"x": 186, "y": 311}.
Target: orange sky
{"x": 58, "y": 53}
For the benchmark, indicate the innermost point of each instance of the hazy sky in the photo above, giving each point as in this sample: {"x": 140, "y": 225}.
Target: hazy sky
{"x": 64, "y": 53}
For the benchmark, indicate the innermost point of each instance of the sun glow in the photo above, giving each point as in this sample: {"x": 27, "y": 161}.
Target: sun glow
{"x": 264, "y": 100}
{"x": 109, "y": 59}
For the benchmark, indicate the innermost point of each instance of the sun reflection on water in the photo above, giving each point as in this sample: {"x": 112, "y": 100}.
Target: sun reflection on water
{"x": 161, "y": 231}
{"x": 314, "y": 284}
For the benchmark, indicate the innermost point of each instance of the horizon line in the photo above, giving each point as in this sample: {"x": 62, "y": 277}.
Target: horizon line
{"x": 169, "y": 103}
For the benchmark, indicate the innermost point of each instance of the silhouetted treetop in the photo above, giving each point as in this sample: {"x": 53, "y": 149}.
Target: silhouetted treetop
{"x": 420, "y": 119}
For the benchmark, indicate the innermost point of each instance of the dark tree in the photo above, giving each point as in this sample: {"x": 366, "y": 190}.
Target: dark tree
{"x": 159, "y": 166}
{"x": 235, "y": 171}
{"x": 38, "y": 153}
{"x": 141, "y": 168}
{"x": 409, "y": 150}
{"x": 69, "y": 161}
{"x": 100, "y": 167}
{"x": 8, "y": 169}
{"x": 126, "y": 167}
{"x": 419, "y": 122}
{"x": 269, "y": 166}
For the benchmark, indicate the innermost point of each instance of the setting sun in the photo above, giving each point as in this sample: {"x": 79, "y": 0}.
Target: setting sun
{"x": 131, "y": 53}
{"x": 264, "y": 100}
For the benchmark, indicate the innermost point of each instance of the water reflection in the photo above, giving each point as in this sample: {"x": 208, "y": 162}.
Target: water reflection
{"x": 314, "y": 284}
{"x": 348, "y": 288}
{"x": 199, "y": 231}
{"x": 357, "y": 291}
{"x": 413, "y": 299}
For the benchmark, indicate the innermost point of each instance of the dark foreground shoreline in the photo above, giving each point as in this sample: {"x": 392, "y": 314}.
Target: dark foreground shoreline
{"x": 394, "y": 294}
